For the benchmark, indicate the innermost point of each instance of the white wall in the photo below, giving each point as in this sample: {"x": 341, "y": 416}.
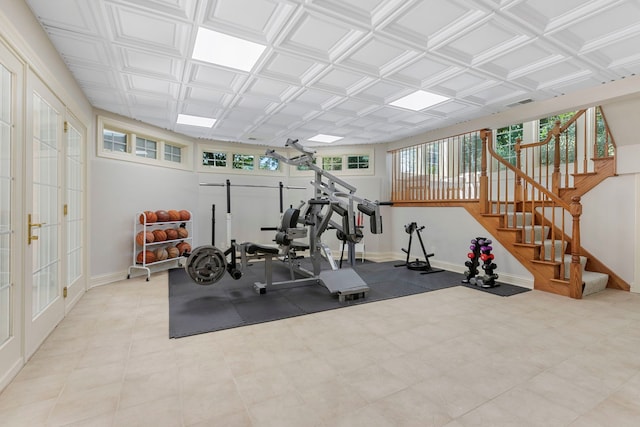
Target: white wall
{"x": 118, "y": 191}
{"x": 448, "y": 235}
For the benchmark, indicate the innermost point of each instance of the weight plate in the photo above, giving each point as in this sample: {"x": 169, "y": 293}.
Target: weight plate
{"x": 206, "y": 265}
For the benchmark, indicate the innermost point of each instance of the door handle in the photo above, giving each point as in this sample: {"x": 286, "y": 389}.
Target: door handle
{"x": 31, "y": 237}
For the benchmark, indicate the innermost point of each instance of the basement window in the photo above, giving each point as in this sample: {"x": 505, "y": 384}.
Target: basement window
{"x": 172, "y": 153}
{"x": 139, "y": 143}
{"x": 332, "y": 163}
{"x": 357, "y": 162}
{"x": 214, "y": 159}
{"x": 114, "y": 141}
{"x": 269, "y": 163}
{"x": 243, "y": 161}
{"x": 146, "y": 148}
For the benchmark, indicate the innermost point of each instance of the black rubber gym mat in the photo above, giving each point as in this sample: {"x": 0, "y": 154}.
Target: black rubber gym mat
{"x": 196, "y": 309}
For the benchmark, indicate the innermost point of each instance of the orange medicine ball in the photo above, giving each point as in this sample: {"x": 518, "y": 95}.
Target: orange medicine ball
{"x": 159, "y": 235}
{"x": 142, "y": 236}
{"x": 185, "y": 215}
{"x": 150, "y": 216}
{"x": 174, "y": 215}
{"x": 147, "y": 257}
{"x": 183, "y": 233}
{"x": 173, "y": 252}
{"x": 172, "y": 233}
{"x": 163, "y": 216}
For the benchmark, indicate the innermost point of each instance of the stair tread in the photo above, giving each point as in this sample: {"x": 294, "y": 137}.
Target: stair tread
{"x": 545, "y": 262}
{"x": 527, "y": 245}
{"x": 578, "y": 174}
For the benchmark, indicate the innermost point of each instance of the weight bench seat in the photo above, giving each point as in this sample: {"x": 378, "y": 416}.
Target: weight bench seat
{"x": 254, "y": 248}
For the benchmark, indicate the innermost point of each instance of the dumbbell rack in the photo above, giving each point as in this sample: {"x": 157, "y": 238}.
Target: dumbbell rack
{"x": 144, "y": 226}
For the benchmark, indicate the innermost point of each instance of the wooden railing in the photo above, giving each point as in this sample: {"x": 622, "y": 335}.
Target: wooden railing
{"x": 524, "y": 203}
{"x": 569, "y": 149}
{"x": 446, "y": 169}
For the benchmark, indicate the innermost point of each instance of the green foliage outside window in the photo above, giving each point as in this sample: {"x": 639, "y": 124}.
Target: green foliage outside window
{"x": 243, "y": 161}
{"x": 214, "y": 159}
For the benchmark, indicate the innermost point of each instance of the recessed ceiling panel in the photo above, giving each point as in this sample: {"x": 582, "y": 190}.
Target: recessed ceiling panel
{"x": 73, "y": 15}
{"x": 604, "y": 27}
{"x": 296, "y": 70}
{"x": 424, "y": 71}
{"x": 269, "y": 88}
{"x": 378, "y": 56}
{"x": 336, "y": 36}
{"x": 426, "y": 18}
{"x": 381, "y": 92}
{"x": 137, "y": 28}
{"x": 203, "y": 95}
{"x": 93, "y": 77}
{"x": 147, "y": 84}
{"x": 249, "y": 14}
{"x": 563, "y": 72}
{"x": 151, "y": 64}
{"x": 214, "y": 77}
{"x": 79, "y": 48}
{"x": 343, "y": 82}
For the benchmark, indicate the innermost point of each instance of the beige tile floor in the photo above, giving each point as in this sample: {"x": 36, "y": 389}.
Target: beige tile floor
{"x": 456, "y": 357}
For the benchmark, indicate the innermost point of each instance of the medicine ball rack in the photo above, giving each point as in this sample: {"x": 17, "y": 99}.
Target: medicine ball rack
{"x": 142, "y": 225}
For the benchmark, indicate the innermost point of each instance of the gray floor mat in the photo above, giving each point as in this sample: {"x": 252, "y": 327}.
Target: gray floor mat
{"x": 196, "y": 309}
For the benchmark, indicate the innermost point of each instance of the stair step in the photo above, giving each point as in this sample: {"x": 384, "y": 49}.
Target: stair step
{"x": 560, "y": 246}
{"x": 594, "y": 282}
{"x": 539, "y": 233}
{"x": 567, "y": 264}
{"x": 519, "y": 218}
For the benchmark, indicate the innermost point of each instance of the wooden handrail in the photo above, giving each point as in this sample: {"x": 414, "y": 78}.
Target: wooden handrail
{"x": 563, "y": 128}
{"x": 521, "y": 175}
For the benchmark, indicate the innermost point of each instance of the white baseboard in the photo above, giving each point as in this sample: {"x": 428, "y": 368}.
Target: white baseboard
{"x": 6, "y": 379}
{"x": 525, "y": 282}
{"x": 106, "y": 279}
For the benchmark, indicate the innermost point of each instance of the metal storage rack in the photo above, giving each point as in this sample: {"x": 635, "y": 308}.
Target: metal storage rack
{"x": 140, "y": 224}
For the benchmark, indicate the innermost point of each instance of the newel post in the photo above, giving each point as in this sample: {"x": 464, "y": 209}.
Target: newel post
{"x": 555, "y": 177}
{"x": 575, "y": 270}
{"x": 485, "y": 134}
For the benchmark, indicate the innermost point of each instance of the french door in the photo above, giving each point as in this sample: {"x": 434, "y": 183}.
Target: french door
{"x": 43, "y": 256}
{"x": 11, "y": 82}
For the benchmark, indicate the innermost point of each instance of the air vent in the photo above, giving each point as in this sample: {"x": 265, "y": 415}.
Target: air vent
{"x": 524, "y": 101}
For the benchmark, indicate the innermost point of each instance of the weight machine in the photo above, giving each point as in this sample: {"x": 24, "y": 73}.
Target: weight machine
{"x": 332, "y": 195}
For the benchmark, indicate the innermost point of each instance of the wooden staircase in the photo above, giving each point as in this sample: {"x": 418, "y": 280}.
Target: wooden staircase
{"x": 547, "y": 259}
{"x": 532, "y": 208}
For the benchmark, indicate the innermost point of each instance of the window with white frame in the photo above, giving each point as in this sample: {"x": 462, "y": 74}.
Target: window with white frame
{"x": 332, "y": 163}
{"x": 146, "y": 148}
{"x": 358, "y": 162}
{"x": 135, "y": 142}
{"x": 268, "y": 163}
{"x": 243, "y": 161}
{"x": 114, "y": 141}
{"x": 214, "y": 159}
{"x": 172, "y": 153}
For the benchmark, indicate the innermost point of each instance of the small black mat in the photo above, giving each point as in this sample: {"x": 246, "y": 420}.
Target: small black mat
{"x": 196, "y": 309}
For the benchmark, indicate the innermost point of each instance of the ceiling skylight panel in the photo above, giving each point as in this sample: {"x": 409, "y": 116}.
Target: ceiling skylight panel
{"x": 186, "y": 119}
{"x": 222, "y": 49}
{"x": 325, "y": 138}
{"x": 419, "y": 100}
